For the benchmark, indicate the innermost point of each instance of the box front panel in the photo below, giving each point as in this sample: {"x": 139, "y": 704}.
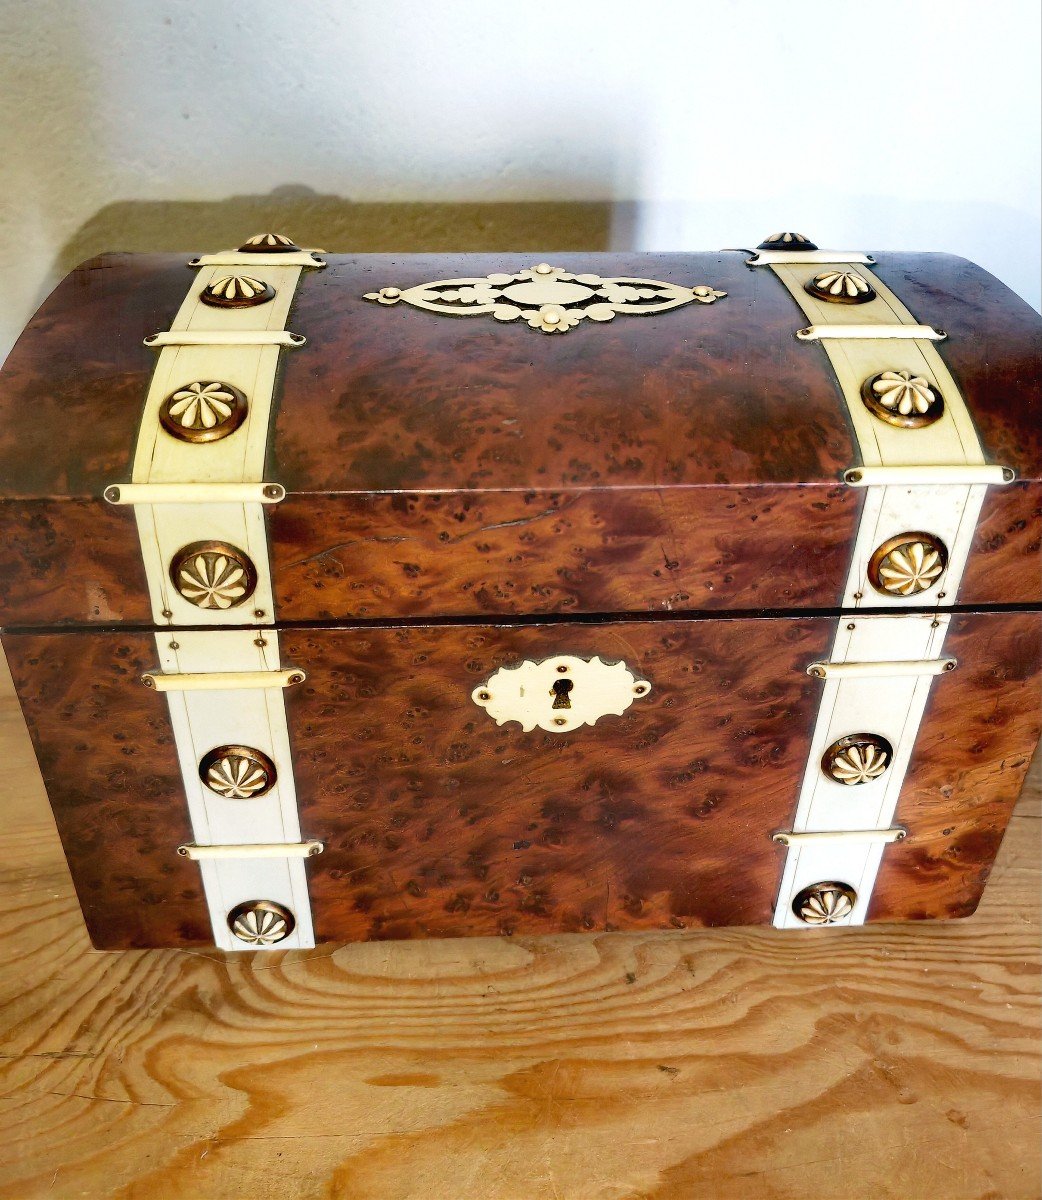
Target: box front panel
{"x": 437, "y": 821}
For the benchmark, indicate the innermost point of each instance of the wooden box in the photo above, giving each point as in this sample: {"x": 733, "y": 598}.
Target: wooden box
{"x": 376, "y": 597}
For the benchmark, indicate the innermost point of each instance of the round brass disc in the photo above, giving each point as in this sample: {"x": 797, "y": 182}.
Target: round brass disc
{"x": 824, "y": 903}
{"x": 261, "y": 922}
{"x": 907, "y": 564}
{"x": 858, "y": 758}
{"x": 237, "y": 772}
{"x": 203, "y": 411}
{"x": 213, "y": 575}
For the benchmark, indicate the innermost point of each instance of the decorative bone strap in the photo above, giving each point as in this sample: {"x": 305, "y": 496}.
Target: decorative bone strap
{"x": 198, "y": 494}
{"x": 924, "y": 476}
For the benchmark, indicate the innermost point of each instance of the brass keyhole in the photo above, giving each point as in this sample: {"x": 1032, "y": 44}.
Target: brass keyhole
{"x": 561, "y": 689}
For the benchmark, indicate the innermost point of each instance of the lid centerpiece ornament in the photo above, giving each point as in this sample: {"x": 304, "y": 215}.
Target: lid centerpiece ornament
{"x": 549, "y": 299}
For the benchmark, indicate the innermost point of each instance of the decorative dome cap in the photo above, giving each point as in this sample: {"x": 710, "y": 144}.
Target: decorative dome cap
{"x": 786, "y": 241}
{"x": 269, "y": 243}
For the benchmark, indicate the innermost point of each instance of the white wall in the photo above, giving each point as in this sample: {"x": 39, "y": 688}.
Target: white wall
{"x": 894, "y": 124}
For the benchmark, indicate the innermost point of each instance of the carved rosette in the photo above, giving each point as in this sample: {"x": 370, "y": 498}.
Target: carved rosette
{"x": 237, "y": 772}
{"x": 261, "y": 922}
{"x": 824, "y": 903}
{"x": 857, "y": 759}
{"x": 213, "y": 575}
{"x": 903, "y": 399}
{"x": 549, "y": 299}
{"x": 237, "y": 291}
{"x": 203, "y": 411}
{"x": 841, "y": 287}
{"x": 786, "y": 241}
{"x": 907, "y": 564}
{"x": 269, "y": 243}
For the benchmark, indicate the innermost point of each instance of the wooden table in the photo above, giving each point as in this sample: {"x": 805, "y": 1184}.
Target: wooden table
{"x": 897, "y": 1061}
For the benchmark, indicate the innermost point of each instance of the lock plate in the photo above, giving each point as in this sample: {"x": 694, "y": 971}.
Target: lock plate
{"x": 559, "y": 694}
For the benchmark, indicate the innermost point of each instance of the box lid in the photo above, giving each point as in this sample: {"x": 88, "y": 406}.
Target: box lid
{"x": 443, "y": 466}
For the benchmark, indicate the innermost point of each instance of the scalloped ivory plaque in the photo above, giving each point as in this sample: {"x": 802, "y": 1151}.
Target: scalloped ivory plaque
{"x": 559, "y": 694}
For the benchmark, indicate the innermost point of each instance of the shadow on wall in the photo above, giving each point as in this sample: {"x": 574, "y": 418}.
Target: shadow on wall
{"x": 341, "y": 226}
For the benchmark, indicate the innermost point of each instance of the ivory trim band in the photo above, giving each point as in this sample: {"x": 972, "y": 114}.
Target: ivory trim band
{"x": 296, "y": 258}
{"x": 222, "y": 681}
{"x": 195, "y": 493}
{"x": 882, "y": 668}
{"x": 245, "y": 337}
{"x": 955, "y": 474}
{"x": 889, "y": 669}
{"x": 820, "y": 333}
{"x": 771, "y": 258}
{"x": 257, "y": 850}
{"x": 791, "y": 838}
{"x": 861, "y": 692}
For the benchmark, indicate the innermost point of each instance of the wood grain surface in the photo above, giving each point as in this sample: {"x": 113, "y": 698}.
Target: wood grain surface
{"x": 889, "y": 1063}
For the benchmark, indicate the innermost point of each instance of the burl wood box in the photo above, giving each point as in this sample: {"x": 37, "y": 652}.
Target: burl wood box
{"x": 377, "y": 597}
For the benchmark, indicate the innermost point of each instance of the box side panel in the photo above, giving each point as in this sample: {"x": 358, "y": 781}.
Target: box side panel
{"x": 106, "y": 752}
{"x": 994, "y": 353}
{"x": 438, "y": 822}
{"x": 980, "y": 728}
{"x": 70, "y": 562}
{"x": 517, "y": 553}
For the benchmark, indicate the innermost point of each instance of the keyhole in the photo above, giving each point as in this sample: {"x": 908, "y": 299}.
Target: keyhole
{"x": 561, "y": 689}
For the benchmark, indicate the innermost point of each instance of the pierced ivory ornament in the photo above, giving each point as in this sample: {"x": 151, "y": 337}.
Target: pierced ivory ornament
{"x": 559, "y": 694}
{"x": 549, "y": 299}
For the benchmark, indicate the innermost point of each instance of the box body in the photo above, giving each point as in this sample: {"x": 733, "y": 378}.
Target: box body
{"x": 468, "y": 493}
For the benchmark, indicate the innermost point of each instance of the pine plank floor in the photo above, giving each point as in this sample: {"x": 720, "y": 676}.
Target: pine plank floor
{"x": 897, "y": 1061}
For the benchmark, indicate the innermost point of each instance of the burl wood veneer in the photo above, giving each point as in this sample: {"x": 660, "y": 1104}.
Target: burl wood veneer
{"x": 687, "y": 461}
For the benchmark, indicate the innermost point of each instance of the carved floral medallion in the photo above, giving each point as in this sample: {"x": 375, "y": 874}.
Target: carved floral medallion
{"x": 237, "y": 772}
{"x": 237, "y": 291}
{"x": 903, "y": 399}
{"x": 907, "y": 564}
{"x": 857, "y": 759}
{"x": 203, "y": 411}
{"x": 261, "y": 922}
{"x": 841, "y": 287}
{"x": 213, "y": 575}
{"x": 824, "y": 903}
